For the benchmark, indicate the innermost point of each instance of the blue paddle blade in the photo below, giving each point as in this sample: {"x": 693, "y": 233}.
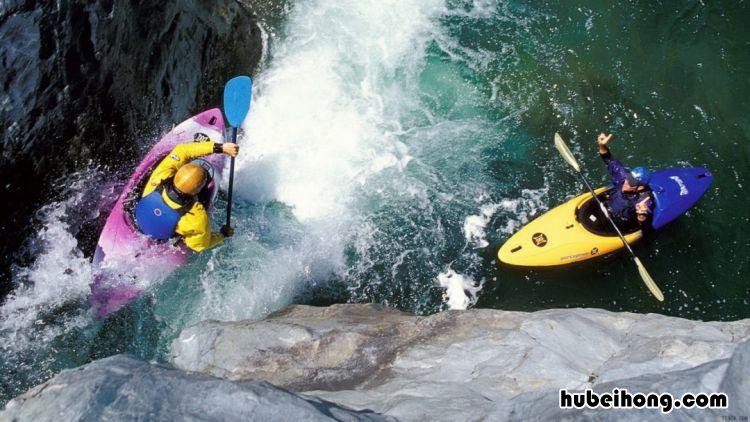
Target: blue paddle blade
{"x": 237, "y": 95}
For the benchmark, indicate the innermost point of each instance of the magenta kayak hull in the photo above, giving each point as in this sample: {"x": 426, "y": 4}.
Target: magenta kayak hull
{"x": 126, "y": 260}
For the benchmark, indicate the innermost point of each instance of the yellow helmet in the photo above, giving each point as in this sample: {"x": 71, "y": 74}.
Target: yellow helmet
{"x": 190, "y": 178}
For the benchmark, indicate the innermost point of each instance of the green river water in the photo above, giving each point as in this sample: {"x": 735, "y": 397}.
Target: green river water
{"x": 394, "y": 145}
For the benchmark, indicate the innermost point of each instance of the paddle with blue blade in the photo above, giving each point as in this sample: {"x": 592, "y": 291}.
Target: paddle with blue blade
{"x": 645, "y": 276}
{"x": 238, "y": 93}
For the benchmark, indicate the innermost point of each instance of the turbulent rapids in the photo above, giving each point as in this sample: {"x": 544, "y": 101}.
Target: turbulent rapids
{"x": 391, "y": 147}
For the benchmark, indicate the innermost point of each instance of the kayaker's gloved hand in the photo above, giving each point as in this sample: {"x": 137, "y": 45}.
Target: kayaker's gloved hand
{"x": 230, "y": 149}
{"x": 602, "y": 140}
{"x": 227, "y": 231}
{"x": 642, "y": 209}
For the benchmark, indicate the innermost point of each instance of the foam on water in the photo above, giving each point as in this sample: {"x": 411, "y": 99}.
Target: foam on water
{"x": 321, "y": 121}
{"x": 59, "y": 275}
{"x": 474, "y": 225}
{"x": 326, "y": 125}
{"x": 515, "y": 212}
{"x": 50, "y": 295}
{"x": 325, "y": 119}
{"x": 460, "y": 290}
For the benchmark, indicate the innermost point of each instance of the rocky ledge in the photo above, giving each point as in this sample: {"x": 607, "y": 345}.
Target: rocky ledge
{"x": 470, "y": 365}
{"x": 370, "y": 362}
{"x": 123, "y": 388}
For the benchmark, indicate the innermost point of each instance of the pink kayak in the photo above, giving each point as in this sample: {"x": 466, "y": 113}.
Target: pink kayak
{"x": 125, "y": 260}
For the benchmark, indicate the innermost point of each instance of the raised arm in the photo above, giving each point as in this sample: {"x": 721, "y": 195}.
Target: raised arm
{"x": 618, "y": 172}
{"x": 603, "y": 140}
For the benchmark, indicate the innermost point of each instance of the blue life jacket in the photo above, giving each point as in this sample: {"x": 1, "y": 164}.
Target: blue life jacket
{"x": 621, "y": 205}
{"x": 155, "y": 218}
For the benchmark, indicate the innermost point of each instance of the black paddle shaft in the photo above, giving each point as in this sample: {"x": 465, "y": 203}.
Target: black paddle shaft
{"x": 231, "y": 181}
{"x": 606, "y": 214}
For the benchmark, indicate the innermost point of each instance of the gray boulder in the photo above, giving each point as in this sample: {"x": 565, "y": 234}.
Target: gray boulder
{"x": 123, "y": 388}
{"x": 302, "y": 347}
{"x": 474, "y": 364}
{"x": 721, "y": 375}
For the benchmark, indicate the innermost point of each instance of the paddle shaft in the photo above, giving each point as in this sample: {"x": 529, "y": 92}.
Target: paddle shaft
{"x": 645, "y": 276}
{"x": 231, "y": 181}
{"x": 606, "y": 214}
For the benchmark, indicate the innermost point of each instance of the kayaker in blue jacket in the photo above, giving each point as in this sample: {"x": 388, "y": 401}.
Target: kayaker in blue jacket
{"x": 631, "y": 198}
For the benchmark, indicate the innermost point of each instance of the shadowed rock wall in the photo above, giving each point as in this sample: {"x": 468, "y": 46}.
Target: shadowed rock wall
{"x": 96, "y": 81}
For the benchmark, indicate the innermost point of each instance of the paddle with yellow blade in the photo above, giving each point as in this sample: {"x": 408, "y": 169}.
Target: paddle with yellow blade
{"x": 568, "y": 156}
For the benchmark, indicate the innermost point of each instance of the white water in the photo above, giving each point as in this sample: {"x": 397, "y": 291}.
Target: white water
{"x": 325, "y": 119}
{"x": 326, "y": 112}
{"x": 515, "y": 213}
{"x": 356, "y": 132}
{"x": 60, "y": 274}
{"x": 342, "y": 127}
{"x": 460, "y": 290}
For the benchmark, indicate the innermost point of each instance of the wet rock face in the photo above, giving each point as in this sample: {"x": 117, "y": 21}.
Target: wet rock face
{"x": 302, "y": 347}
{"x": 98, "y": 80}
{"x": 123, "y": 388}
{"x": 475, "y": 364}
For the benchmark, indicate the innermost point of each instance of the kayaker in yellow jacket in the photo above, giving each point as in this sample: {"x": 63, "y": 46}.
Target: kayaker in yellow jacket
{"x": 168, "y": 205}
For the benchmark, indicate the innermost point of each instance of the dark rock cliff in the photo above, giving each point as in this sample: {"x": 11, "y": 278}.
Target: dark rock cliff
{"x": 85, "y": 81}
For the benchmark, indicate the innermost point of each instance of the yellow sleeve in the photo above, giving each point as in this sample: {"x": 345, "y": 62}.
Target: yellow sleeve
{"x": 195, "y": 229}
{"x": 181, "y": 154}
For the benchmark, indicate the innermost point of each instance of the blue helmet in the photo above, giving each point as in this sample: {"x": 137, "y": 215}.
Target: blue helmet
{"x": 639, "y": 176}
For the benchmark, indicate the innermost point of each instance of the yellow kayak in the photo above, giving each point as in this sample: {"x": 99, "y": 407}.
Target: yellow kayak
{"x": 571, "y": 232}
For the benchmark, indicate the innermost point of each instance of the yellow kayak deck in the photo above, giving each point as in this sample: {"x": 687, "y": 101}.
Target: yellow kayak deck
{"x": 558, "y": 238}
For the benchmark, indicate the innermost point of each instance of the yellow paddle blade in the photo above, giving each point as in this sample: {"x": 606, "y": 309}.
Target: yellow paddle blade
{"x": 565, "y": 152}
{"x": 650, "y": 283}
